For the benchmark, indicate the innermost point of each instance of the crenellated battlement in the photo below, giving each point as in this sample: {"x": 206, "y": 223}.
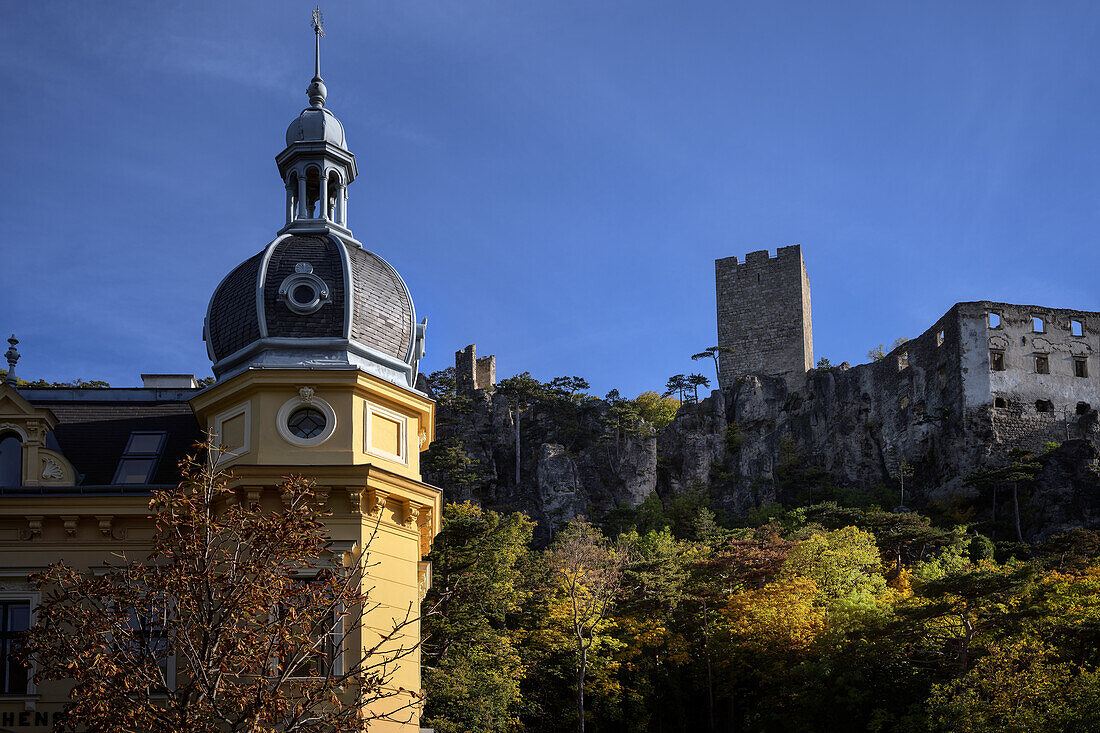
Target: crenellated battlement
{"x": 764, "y": 314}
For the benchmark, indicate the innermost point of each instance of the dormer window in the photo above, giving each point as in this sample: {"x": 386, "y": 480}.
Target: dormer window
{"x": 11, "y": 460}
{"x": 143, "y": 451}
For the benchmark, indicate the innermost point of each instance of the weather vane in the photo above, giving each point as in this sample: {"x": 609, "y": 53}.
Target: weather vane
{"x": 318, "y": 21}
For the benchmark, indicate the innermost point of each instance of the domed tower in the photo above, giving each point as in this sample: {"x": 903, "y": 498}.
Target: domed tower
{"x": 314, "y": 297}
{"x": 315, "y": 344}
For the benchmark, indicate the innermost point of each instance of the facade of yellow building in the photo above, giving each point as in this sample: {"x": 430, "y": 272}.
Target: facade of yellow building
{"x": 315, "y": 348}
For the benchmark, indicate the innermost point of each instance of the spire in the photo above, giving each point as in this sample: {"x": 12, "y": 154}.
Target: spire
{"x": 317, "y": 90}
{"x": 12, "y": 356}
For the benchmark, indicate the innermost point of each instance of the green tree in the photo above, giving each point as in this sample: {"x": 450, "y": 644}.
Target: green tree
{"x": 695, "y": 381}
{"x": 473, "y": 671}
{"x": 656, "y": 409}
{"x": 715, "y": 353}
{"x": 880, "y": 351}
{"x": 1021, "y": 687}
{"x": 522, "y": 391}
{"x": 588, "y": 572}
{"x": 677, "y": 385}
{"x": 447, "y": 459}
{"x": 1021, "y": 469}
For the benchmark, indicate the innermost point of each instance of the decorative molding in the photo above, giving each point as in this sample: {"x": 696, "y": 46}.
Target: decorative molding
{"x": 402, "y": 434}
{"x": 376, "y": 501}
{"x": 423, "y": 578}
{"x": 355, "y": 499}
{"x": 410, "y": 511}
{"x": 18, "y": 430}
{"x": 426, "y": 527}
{"x": 51, "y": 469}
{"x": 344, "y": 550}
{"x": 107, "y": 529}
{"x": 252, "y": 495}
{"x": 34, "y": 527}
{"x": 70, "y": 521}
{"x": 233, "y": 451}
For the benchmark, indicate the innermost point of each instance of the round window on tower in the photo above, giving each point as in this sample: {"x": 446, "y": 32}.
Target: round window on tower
{"x": 303, "y": 292}
{"x": 306, "y": 423}
{"x": 306, "y": 420}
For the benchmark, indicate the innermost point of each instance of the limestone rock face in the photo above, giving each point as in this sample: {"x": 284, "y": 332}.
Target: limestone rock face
{"x": 573, "y": 459}
{"x": 557, "y": 481}
{"x": 764, "y": 440}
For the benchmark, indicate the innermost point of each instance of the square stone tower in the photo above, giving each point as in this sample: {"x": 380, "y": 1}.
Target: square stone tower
{"x": 764, "y": 315}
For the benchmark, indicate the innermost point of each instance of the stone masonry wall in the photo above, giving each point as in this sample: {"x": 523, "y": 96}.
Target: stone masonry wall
{"x": 1028, "y": 408}
{"x": 764, "y": 315}
{"x": 472, "y": 373}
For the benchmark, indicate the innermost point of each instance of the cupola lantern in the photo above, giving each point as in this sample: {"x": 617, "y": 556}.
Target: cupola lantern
{"x": 316, "y": 165}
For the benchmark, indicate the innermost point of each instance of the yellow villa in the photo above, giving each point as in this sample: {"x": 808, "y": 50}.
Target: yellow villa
{"x": 315, "y": 347}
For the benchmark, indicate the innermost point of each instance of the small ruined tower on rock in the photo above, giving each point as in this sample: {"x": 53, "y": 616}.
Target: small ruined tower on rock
{"x": 764, "y": 315}
{"x": 472, "y": 373}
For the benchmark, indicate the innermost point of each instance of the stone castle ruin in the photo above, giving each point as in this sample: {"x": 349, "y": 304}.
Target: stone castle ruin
{"x": 764, "y": 315}
{"x": 983, "y": 379}
{"x": 472, "y": 373}
{"x": 1020, "y": 373}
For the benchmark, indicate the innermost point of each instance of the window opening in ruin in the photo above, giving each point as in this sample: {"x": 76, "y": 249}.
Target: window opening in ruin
{"x": 1043, "y": 406}
{"x": 1080, "y": 367}
{"x": 1076, "y": 328}
{"x": 939, "y": 338}
{"x": 1037, "y": 324}
{"x": 1083, "y": 407}
{"x": 997, "y": 361}
{"x": 1000, "y": 402}
{"x": 903, "y": 360}
{"x": 904, "y": 402}
{"x": 994, "y": 319}
{"x": 941, "y": 372}
{"x": 1042, "y": 364}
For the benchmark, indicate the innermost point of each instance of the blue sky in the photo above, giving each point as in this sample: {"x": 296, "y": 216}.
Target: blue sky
{"x": 552, "y": 179}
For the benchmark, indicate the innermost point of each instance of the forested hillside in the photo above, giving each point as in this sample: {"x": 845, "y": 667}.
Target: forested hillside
{"x": 805, "y": 604}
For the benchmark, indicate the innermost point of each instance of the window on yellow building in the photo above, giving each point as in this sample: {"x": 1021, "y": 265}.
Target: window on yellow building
{"x": 11, "y": 460}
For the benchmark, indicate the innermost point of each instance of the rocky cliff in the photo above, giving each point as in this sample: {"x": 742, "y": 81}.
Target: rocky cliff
{"x": 841, "y": 433}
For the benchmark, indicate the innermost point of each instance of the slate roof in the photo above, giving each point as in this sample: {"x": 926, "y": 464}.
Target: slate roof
{"x": 382, "y": 311}
{"x": 321, "y": 252}
{"x": 383, "y": 314}
{"x": 92, "y": 435}
{"x": 232, "y": 322}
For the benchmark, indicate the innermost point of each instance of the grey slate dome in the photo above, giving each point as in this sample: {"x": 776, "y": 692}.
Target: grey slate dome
{"x": 316, "y": 125}
{"x": 313, "y": 300}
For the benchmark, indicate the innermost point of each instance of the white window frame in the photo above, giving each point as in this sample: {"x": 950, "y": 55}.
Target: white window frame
{"x": 293, "y": 404}
{"x": 245, "y": 408}
{"x": 402, "y": 438}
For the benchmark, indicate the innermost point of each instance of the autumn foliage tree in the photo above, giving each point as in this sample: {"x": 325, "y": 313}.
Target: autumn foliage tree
{"x": 260, "y": 618}
{"x": 588, "y": 572}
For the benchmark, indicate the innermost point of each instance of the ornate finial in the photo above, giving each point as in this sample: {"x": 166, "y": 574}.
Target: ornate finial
{"x": 317, "y": 90}
{"x": 12, "y": 356}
